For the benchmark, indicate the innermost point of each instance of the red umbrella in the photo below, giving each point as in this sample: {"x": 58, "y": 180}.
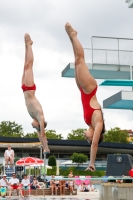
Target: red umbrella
{"x": 131, "y": 172}
{"x": 29, "y": 161}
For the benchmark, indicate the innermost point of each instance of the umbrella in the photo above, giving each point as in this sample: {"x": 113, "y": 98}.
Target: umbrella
{"x": 29, "y": 161}
{"x": 68, "y": 162}
{"x": 57, "y": 168}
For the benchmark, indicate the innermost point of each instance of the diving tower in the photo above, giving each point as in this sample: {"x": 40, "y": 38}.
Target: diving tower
{"x": 117, "y": 82}
{"x": 121, "y": 100}
{"x": 110, "y": 58}
{"x": 130, "y": 3}
{"x": 101, "y": 71}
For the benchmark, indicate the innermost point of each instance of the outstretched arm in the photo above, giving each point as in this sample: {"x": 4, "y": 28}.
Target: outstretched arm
{"x": 42, "y": 136}
{"x": 94, "y": 146}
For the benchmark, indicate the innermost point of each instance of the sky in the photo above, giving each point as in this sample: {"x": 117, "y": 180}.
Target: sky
{"x": 45, "y": 21}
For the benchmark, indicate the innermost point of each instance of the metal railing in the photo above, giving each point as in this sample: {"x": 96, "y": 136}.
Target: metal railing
{"x": 127, "y": 1}
{"x": 110, "y": 50}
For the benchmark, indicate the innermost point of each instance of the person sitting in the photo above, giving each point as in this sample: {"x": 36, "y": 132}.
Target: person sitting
{"x": 35, "y": 184}
{"x": 120, "y": 180}
{"x": 9, "y": 156}
{"x": 91, "y": 187}
{"x": 14, "y": 185}
{"x": 62, "y": 187}
{"x": 53, "y": 186}
{"x": 84, "y": 188}
{"x": 71, "y": 185}
{"x": 3, "y": 185}
{"x": 25, "y": 185}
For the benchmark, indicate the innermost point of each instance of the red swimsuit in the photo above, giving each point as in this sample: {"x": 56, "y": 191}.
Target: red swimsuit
{"x": 88, "y": 110}
{"x": 25, "y": 88}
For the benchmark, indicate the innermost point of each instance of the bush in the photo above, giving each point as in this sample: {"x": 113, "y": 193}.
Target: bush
{"x": 79, "y": 158}
{"x": 52, "y": 161}
{"x": 76, "y": 171}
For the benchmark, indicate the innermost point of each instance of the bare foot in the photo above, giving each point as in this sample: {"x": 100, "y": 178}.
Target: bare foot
{"x": 27, "y": 39}
{"x": 91, "y": 168}
{"x": 70, "y": 31}
{"x": 46, "y": 151}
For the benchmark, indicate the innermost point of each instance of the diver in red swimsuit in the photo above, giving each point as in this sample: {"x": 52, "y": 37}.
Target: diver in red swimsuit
{"x": 87, "y": 85}
{"x": 33, "y": 106}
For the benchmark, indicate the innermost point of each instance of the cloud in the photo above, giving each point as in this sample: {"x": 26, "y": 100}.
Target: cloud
{"x": 45, "y": 21}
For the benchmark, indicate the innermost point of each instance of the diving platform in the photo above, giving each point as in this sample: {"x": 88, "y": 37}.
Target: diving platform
{"x": 101, "y": 71}
{"x": 130, "y": 3}
{"x": 111, "y": 59}
{"x": 117, "y": 83}
{"x": 121, "y": 100}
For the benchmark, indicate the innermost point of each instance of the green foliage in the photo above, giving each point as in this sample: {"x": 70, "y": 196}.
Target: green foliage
{"x": 11, "y": 129}
{"x": 51, "y": 134}
{"x": 76, "y": 134}
{"x": 31, "y": 135}
{"x": 76, "y": 172}
{"x": 16, "y": 159}
{"x": 79, "y": 158}
{"x": 52, "y": 161}
{"x": 116, "y": 135}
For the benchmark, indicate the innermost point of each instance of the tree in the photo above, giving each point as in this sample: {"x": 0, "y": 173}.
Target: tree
{"x": 79, "y": 158}
{"x": 51, "y": 134}
{"x": 11, "y": 129}
{"x": 116, "y": 135}
{"x": 52, "y": 160}
{"x": 16, "y": 159}
{"x": 31, "y": 135}
{"x": 77, "y": 134}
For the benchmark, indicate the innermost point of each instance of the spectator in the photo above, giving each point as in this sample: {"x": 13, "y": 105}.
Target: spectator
{"x": 70, "y": 174}
{"x": 62, "y": 187}
{"x": 35, "y": 184}
{"x": 120, "y": 181}
{"x": 9, "y": 156}
{"x": 25, "y": 185}
{"x": 53, "y": 186}
{"x": 91, "y": 187}
{"x": 14, "y": 185}
{"x": 84, "y": 188}
{"x": 3, "y": 186}
{"x": 71, "y": 185}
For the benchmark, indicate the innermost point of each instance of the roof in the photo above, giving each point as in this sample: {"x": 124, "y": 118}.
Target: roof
{"x": 56, "y": 142}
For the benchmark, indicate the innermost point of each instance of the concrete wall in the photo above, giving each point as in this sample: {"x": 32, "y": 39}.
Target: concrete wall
{"x": 116, "y": 191}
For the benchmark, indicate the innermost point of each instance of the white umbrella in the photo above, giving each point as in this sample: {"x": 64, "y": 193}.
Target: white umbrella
{"x": 57, "y": 168}
{"x": 68, "y": 162}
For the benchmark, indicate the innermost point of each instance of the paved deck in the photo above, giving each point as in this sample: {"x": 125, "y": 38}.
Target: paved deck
{"x": 79, "y": 196}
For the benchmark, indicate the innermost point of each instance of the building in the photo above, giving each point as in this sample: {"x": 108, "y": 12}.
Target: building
{"x": 61, "y": 149}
